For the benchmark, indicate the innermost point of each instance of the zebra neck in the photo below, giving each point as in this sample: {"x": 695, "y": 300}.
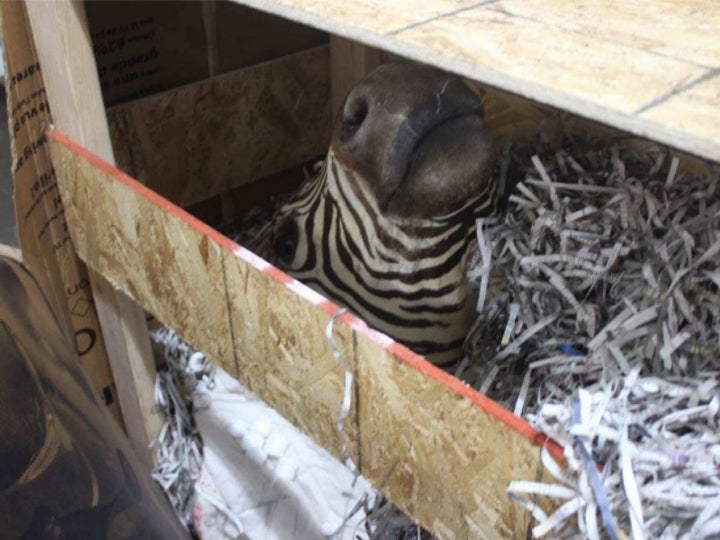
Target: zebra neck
{"x": 353, "y": 202}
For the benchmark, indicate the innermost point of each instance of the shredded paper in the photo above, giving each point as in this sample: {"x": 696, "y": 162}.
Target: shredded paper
{"x": 600, "y": 322}
{"x": 178, "y": 448}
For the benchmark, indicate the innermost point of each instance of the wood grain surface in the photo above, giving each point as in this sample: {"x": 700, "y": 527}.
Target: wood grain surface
{"x": 649, "y": 68}
{"x": 440, "y": 450}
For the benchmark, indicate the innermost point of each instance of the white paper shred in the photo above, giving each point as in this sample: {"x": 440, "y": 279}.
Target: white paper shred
{"x": 178, "y": 448}
{"x": 601, "y": 298}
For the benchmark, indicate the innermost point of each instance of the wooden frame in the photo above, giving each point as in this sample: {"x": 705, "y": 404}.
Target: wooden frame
{"x": 439, "y": 450}
{"x": 655, "y": 75}
{"x": 73, "y": 91}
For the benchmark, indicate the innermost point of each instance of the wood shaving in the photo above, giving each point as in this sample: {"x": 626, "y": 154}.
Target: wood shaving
{"x": 600, "y": 295}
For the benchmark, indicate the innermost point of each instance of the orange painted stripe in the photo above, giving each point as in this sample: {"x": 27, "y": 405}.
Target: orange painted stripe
{"x": 461, "y": 388}
{"x": 399, "y": 351}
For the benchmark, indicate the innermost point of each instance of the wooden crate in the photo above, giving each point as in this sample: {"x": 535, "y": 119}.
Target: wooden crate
{"x": 441, "y": 451}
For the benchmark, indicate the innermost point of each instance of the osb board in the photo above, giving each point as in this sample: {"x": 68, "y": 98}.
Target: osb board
{"x": 206, "y": 138}
{"x": 441, "y": 451}
{"x": 649, "y": 68}
{"x": 217, "y": 295}
{"x": 444, "y": 455}
{"x": 281, "y": 352}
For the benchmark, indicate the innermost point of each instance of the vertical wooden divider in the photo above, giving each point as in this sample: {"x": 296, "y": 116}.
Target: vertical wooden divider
{"x": 62, "y": 41}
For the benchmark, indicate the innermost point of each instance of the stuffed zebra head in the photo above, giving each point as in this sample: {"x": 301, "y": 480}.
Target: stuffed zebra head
{"x": 385, "y": 228}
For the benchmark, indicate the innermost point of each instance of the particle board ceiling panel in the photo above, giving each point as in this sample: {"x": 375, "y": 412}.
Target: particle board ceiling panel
{"x": 686, "y": 31}
{"x": 649, "y": 68}
{"x": 699, "y": 107}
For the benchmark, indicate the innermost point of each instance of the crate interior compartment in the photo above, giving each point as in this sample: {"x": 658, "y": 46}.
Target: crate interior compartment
{"x": 268, "y": 330}
{"x": 143, "y": 48}
{"x": 198, "y": 146}
{"x": 209, "y": 143}
{"x": 174, "y": 77}
{"x": 233, "y": 129}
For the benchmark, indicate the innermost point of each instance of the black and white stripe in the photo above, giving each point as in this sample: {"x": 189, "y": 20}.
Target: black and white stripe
{"x": 405, "y": 277}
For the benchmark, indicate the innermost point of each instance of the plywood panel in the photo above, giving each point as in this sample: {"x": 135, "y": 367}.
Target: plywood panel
{"x": 607, "y": 61}
{"x": 439, "y": 453}
{"x": 203, "y": 139}
{"x": 439, "y": 449}
{"x": 699, "y": 107}
{"x": 282, "y": 353}
{"x": 686, "y": 30}
{"x": 380, "y": 16}
{"x": 616, "y": 76}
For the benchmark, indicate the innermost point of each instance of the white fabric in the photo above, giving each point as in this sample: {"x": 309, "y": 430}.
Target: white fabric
{"x": 273, "y": 480}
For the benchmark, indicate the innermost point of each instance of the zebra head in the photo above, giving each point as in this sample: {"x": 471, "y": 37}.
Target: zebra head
{"x": 386, "y": 226}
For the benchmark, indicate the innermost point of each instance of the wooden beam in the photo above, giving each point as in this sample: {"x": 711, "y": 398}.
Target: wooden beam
{"x": 440, "y": 450}
{"x": 62, "y": 40}
{"x": 42, "y": 229}
{"x": 209, "y": 137}
{"x": 637, "y": 73}
{"x": 349, "y": 62}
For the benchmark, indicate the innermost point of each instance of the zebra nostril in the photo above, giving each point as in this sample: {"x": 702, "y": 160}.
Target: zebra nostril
{"x": 286, "y": 239}
{"x": 355, "y": 112}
